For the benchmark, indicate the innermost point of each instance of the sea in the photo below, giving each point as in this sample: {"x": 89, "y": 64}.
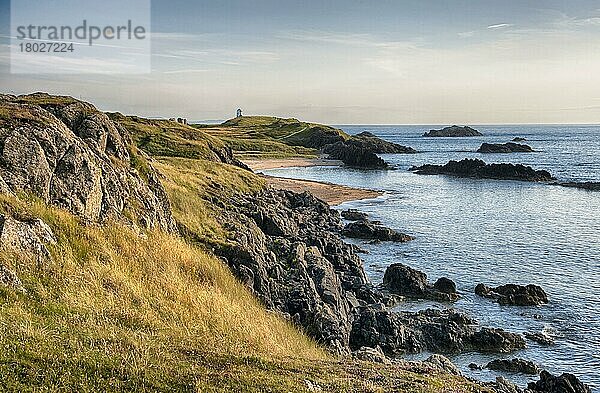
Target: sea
{"x": 494, "y": 232}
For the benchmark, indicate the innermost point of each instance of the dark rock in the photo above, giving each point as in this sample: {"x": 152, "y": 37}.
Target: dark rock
{"x": 406, "y": 281}
{"x": 367, "y": 230}
{"x": 504, "y": 148}
{"x": 354, "y": 215}
{"x": 514, "y": 366}
{"x": 445, "y": 285}
{"x": 474, "y": 366}
{"x": 431, "y": 330}
{"x": 478, "y": 169}
{"x": 589, "y": 186}
{"x": 354, "y": 156}
{"x": 496, "y": 340}
{"x": 367, "y": 140}
{"x": 360, "y": 151}
{"x": 513, "y": 294}
{"x": 540, "y": 338}
{"x": 453, "y": 131}
{"x": 300, "y": 266}
{"x": 519, "y": 139}
{"x": 566, "y": 383}
{"x": 403, "y": 280}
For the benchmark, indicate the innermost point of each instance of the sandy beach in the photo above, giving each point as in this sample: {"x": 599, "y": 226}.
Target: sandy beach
{"x": 275, "y": 163}
{"x": 333, "y": 194}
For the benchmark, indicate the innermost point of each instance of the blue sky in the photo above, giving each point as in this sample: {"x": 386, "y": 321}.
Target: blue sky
{"x": 400, "y": 62}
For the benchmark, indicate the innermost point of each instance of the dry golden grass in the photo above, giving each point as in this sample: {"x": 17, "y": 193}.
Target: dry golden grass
{"x": 112, "y": 297}
{"x": 191, "y": 184}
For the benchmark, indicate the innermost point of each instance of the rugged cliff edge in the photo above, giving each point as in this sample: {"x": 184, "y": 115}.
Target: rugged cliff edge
{"x": 71, "y": 155}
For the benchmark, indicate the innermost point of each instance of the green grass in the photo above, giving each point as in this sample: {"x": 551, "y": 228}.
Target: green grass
{"x": 169, "y": 138}
{"x": 269, "y": 137}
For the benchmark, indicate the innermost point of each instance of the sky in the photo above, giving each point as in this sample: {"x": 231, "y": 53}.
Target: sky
{"x": 353, "y": 62}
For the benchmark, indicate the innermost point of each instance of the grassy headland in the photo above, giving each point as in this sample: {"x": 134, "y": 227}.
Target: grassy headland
{"x": 270, "y": 137}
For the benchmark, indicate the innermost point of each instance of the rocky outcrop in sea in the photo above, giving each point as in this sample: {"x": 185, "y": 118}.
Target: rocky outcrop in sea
{"x": 509, "y": 147}
{"x": 453, "y": 131}
{"x": 475, "y": 168}
{"x": 377, "y": 145}
{"x": 406, "y": 281}
{"x": 513, "y": 294}
{"x": 354, "y": 155}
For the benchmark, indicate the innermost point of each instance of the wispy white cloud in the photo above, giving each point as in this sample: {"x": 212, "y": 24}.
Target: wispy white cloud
{"x": 328, "y": 37}
{"x": 500, "y": 26}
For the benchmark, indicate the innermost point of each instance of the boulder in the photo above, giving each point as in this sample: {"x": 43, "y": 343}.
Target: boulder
{"x": 496, "y": 340}
{"x": 368, "y": 354}
{"x": 509, "y": 147}
{"x": 565, "y": 383}
{"x": 30, "y": 237}
{"x": 440, "y": 331}
{"x": 453, "y": 131}
{"x": 519, "y": 139}
{"x": 514, "y": 366}
{"x": 513, "y": 294}
{"x": 445, "y": 285}
{"x": 354, "y": 215}
{"x": 69, "y": 154}
{"x": 442, "y": 364}
{"x": 367, "y": 230}
{"x": 403, "y": 280}
{"x": 540, "y": 338}
{"x": 475, "y": 168}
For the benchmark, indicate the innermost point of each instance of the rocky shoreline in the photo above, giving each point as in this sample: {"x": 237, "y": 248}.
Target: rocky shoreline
{"x": 289, "y": 250}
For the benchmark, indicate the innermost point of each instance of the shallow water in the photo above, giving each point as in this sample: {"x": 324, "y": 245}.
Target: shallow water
{"x": 496, "y": 232}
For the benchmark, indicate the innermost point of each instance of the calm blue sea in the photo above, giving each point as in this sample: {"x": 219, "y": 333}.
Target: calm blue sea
{"x": 496, "y": 232}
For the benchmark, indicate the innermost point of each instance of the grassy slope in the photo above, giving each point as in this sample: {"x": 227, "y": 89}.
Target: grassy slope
{"x": 115, "y": 311}
{"x": 168, "y": 138}
{"x": 267, "y": 137}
